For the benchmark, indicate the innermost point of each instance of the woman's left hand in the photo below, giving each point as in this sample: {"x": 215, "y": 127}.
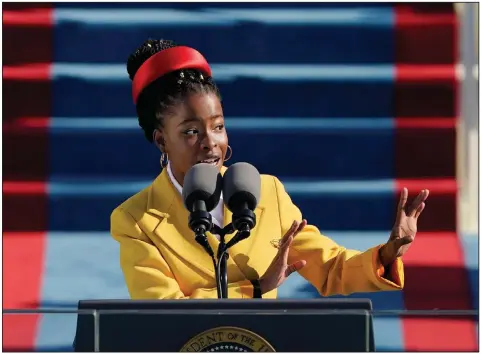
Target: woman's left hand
{"x": 405, "y": 228}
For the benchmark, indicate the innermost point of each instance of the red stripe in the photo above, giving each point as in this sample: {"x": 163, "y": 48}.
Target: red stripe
{"x": 411, "y": 19}
{"x": 402, "y": 72}
{"x": 436, "y": 259}
{"x": 406, "y": 72}
{"x": 424, "y": 14}
{"x": 440, "y": 335}
{"x": 23, "y": 259}
{"x": 39, "y": 125}
{"x": 439, "y": 186}
{"x": 28, "y": 17}
{"x": 455, "y": 54}
{"x": 448, "y": 256}
{"x": 26, "y": 203}
{"x": 435, "y": 273}
{"x": 402, "y": 123}
{"x": 24, "y": 187}
{"x": 423, "y": 123}
{"x": 27, "y": 72}
{"x": 33, "y": 122}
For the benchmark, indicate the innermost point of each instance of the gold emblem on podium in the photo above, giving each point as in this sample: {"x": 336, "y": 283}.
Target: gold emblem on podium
{"x": 227, "y": 339}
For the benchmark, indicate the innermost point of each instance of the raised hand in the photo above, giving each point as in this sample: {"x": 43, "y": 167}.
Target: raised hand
{"x": 405, "y": 227}
{"x": 279, "y": 269}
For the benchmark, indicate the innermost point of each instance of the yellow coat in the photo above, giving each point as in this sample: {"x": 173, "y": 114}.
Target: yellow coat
{"x": 161, "y": 260}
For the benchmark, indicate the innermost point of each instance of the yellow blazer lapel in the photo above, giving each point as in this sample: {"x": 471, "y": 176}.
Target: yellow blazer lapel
{"x": 165, "y": 201}
{"x": 240, "y": 252}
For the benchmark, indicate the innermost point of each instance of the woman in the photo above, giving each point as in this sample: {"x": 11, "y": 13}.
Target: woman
{"x": 179, "y": 108}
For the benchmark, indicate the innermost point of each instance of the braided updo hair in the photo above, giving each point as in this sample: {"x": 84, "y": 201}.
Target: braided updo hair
{"x": 162, "y": 94}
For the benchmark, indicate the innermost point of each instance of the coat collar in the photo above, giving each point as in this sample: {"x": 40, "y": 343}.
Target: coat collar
{"x": 165, "y": 202}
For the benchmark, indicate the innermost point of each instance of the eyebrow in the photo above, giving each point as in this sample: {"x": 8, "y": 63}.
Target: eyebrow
{"x": 188, "y": 120}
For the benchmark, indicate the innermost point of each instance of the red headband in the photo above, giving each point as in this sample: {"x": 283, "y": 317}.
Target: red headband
{"x": 164, "y": 62}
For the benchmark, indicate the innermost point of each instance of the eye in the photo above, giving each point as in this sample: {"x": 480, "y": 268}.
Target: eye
{"x": 190, "y": 132}
{"x": 219, "y": 127}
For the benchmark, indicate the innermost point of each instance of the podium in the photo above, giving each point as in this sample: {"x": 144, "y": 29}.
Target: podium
{"x": 318, "y": 325}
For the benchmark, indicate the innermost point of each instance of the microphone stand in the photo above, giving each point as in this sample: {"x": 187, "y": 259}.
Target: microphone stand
{"x": 220, "y": 267}
{"x": 222, "y": 256}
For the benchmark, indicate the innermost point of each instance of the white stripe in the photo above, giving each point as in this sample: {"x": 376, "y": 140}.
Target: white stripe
{"x": 62, "y": 124}
{"x": 344, "y": 17}
{"x": 358, "y": 240}
{"x": 92, "y": 272}
{"x": 307, "y": 188}
{"x": 230, "y": 72}
{"x": 339, "y": 187}
{"x": 225, "y": 17}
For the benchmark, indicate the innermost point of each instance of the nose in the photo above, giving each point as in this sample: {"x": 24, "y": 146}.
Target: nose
{"x": 208, "y": 141}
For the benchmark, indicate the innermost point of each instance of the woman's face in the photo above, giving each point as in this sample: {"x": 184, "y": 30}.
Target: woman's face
{"x": 193, "y": 132}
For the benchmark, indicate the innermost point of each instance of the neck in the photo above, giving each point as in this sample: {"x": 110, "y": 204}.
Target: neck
{"x": 179, "y": 177}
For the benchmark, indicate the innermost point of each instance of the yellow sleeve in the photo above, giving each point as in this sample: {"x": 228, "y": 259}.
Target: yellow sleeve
{"x": 332, "y": 269}
{"x": 147, "y": 274}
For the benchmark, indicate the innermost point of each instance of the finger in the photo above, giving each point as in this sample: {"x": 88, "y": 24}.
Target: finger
{"x": 284, "y": 241}
{"x": 286, "y": 246}
{"x": 416, "y": 203}
{"x": 404, "y": 241}
{"x": 419, "y": 210}
{"x": 301, "y": 226}
{"x": 401, "y": 204}
{"x": 403, "y": 198}
{"x": 427, "y": 193}
{"x": 293, "y": 231}
{"x": 288, "y": 238}
{"x": 294, "y": 267}
{"x": 288, "y": 233}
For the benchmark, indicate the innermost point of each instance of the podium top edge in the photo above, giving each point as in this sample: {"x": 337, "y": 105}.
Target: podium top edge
{"x": 358, "y": 304}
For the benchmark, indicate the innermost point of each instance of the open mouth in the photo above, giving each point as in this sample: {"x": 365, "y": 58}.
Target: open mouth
{"x": 212, "y": 161}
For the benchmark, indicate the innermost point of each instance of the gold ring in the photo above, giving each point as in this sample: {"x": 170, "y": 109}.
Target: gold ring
{"x": 276, "y": 243}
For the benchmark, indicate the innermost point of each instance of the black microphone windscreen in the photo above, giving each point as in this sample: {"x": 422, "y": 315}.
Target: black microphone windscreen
{"x": 241, "y": 184}
{"x": 202, "y": 182}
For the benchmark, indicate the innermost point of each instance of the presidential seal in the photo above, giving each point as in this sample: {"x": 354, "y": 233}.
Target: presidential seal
{"x": 227, "y": 339}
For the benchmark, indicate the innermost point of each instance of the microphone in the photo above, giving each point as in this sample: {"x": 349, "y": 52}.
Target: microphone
{"x": 241, "y": 191}
{"x": 201, "y": 193}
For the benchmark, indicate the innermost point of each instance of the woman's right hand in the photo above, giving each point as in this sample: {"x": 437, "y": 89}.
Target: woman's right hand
{"x": 279, "y": 269}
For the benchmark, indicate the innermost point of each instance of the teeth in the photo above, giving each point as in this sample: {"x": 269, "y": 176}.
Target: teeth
{"x": 210, "y": 161}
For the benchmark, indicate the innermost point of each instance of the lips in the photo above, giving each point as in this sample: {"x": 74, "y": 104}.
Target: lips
{"x": 211, "y": 161}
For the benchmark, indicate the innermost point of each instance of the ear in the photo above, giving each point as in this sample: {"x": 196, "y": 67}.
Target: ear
{"x": 158, "y": 138}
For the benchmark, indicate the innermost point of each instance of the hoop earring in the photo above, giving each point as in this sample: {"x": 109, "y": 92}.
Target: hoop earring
{"x": 231, "y": 153}
{"x": 164, "y": 159}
